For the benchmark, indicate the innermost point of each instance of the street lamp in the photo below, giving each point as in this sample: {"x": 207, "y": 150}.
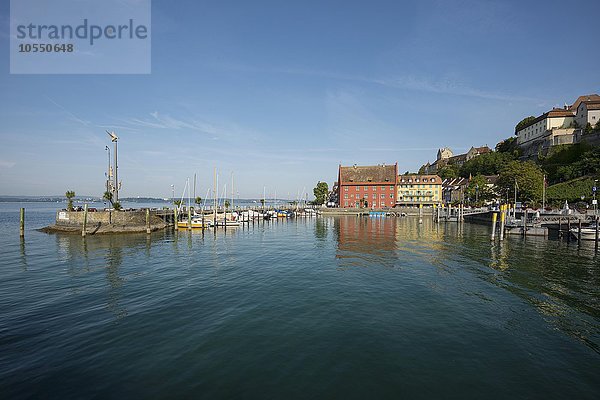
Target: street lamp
{"x": 108, "y": 170}
{"x": 114, "y": 139}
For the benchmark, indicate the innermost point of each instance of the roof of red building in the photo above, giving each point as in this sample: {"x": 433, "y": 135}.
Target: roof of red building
{"x": 365, "y": 174}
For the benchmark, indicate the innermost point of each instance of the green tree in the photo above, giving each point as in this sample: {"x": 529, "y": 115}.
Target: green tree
{"x": 486, "y": 164}
{"x": 198, "y": 200}
{"x": 528, "y": 176}
{"x": 70, "y": 195}
{"x": 588, "y": 128}
{"x": 177, "y": 202}
{"x": 117, "y": 205}
{"x": 561, "y": 162}
{"x": 478, "y": 190}
{"x": 597, "y": 127}
{"x": 108, "y": 196}
{"x": 262, "y": 202}
{"x": 448, "y": 172}
{"x": 227, "y": 204}
{"x": 321, "y": 191}
{"x": 524, "y": 122}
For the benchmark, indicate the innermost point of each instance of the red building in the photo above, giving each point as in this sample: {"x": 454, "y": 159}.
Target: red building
{"x": 367, "y": 187}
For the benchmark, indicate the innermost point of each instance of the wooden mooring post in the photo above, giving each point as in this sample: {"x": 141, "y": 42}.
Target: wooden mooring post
{"x": 559, "y": 227}
{"x": 494, "y": 218}
{"x": 85, "y": 215}
{"x": 175, "y": 218}
{"x": 147, "y": 221}
{"x": 579, "y": 232}
{"x": 568, "y": 229}
{"x": 22, "y": 222}
{"x": 502, "y": 218}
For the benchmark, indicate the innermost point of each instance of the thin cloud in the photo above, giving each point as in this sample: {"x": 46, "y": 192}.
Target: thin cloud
{"x": 7, "y": 164}
{"x": 69, "y": 113}
{"x": 404, "y": 82}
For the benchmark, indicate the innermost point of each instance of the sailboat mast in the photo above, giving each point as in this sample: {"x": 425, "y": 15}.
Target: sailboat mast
{"x": 215, "y": 193}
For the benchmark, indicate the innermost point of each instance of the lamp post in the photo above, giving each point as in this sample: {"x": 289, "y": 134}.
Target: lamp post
{"x": 108, "y": 170}
{"x": 114, "y": 138}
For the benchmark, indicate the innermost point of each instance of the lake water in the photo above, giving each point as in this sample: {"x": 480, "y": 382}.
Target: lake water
{"x": 312, "y": 308}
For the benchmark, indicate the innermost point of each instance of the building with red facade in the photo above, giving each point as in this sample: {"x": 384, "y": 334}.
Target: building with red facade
{"x": 367, "y": 186}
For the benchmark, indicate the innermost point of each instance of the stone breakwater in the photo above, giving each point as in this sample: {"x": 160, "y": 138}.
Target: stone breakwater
{"x": 101, "y": 222}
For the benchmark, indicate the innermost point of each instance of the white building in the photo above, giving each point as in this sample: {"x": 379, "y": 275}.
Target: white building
{"x": 559, "y": 125}
{"x": 587, "y": 110}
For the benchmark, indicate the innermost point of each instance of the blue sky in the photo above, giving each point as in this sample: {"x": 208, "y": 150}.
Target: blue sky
{"x": 280, "y": 93}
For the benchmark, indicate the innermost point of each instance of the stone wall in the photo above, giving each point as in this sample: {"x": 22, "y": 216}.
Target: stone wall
{"x": 116, "y": 218}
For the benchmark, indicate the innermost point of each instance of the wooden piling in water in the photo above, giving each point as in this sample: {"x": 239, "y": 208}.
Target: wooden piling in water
{"x": 175, "y": 218}
{"x": 85, "y": 214}
{"x": 147, "y": 221}
{"x": 494, "y": 218}
{"x": 189, "y": 211}
{"x": 579, "y": 232}
{"x": 568, "y": 229}
{"x": 525, "y": 223}
{"x": 22, "y": 222}
{"x": 502, "y": 218}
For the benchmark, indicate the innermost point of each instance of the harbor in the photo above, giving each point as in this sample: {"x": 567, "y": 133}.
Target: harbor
{"x": 277, "y": 294}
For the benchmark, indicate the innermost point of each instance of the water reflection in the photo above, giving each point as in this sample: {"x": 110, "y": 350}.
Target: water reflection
{"x": 22, "y": 254}
{"x": 363, "y": 242}
{"x": 108, "y": 253}
{"x": 559, "y": 280}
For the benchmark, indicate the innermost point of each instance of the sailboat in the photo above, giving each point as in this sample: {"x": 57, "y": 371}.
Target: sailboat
{"x": 194, "y": 221}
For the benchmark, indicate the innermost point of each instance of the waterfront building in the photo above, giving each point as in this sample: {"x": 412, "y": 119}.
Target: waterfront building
{"x": 453, "y": 190}
{"x": 558, "y": 126}
{"x": 367, "y": 186}
{"x": 414, "y": 190}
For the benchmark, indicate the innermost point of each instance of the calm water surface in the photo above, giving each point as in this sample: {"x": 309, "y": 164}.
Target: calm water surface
{"x": 319, "y": 308}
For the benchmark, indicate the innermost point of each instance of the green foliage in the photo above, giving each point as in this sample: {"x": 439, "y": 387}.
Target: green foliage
{"x": 227, "y": 204}
{"x": 525, "y": 121}
{"x": 262, "y": 202}
{"x": 177, "y": 202}
{"x": 321, "y": 191}
{"x": 108, "y": 196}
{"x": 570, "y": 191}
{"x": 70, "y": 195}
{"x": 478, "y": 191}
{"x": 448, "y": 172}
{"x": 198, "y": 200}
{"x": 117, "y": 206}
{"x": 510, "y": 146}
{"x": 486, "y": 164}
{"x": 597, "y": 127}
{"x": 529, "y": 178}
{"x": 588, "y": 129}
{"x": 567, "y": 162}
